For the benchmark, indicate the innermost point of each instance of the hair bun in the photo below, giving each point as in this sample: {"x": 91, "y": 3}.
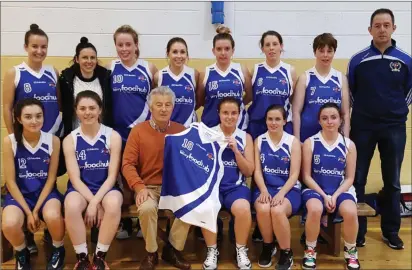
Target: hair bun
{"x": 84, "y": 40}
{"x": 221, "y": 29}
{"x": 34, "y": 26}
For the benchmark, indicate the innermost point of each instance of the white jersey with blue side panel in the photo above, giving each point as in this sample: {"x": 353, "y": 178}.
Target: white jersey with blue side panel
{"x": 32, "y": 163}
{"x": 271, "y": 86}
{"x": 93, "y": 156}
{"x": 131, "y": 86}
{"x": 319, "y": 90}
{"x": 218, "y": 85}
{"x": 41, "y": 86}
{"x": 275, "y": 160}
{"x": 329, "y": 163}
{"x": 184, "y": 86}
{"x": 192, "y": 172}
{"x": 233, "y": 177}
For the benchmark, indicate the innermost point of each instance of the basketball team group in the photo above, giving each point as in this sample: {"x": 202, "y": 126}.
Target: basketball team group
{"x": 306, "y": 141}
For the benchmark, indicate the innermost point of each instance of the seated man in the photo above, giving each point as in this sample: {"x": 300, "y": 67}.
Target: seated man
{"x": 142, "y": 167}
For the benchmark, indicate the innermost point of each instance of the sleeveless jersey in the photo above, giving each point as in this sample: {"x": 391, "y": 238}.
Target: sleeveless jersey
{"x": 41, "y": 86}
{"x": 183, "y": 86}
{"x": 329, "y": 162}
{"x": 93, "y": 157}
{"x": 192, "y": 172}
{"x": 319, "y": 91}
{"x": 271, "y": 86}
{"x": 218, "y": 85}
{"x": 32, "y": 164}
{"x": 232, "y": 175}
{"x": 275, "y": 160}
{"x": 130, "y": 85}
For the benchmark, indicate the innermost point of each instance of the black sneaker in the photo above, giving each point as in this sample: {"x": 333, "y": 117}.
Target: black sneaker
{"x": 257, "y": 236}
{"x": 23, "y": 259}
{"x": 99, "y": 261}
{"x": 265, "y": 258}
{"x": 393, "y": 241}
{"x": 285, "y": 260}
{"x": 360, "y": 242}
{"x": 83, "y": 262}
{"x": 57, "y": 259}
{"x": 31, "y": 244}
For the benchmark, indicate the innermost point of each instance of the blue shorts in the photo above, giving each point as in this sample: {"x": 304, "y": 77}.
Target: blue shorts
{"x": 227, "y": 198}
{"x": 257, "y": 128}
{"x": 293, "y": 196}
{"x": 32, "y": 200}
{"x": 308, "y": 194}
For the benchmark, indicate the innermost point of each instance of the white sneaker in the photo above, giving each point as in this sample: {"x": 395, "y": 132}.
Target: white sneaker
{"x": 243, "y": 261}
{"x": 211, "y": 259}
{"x": 139, "y": 234}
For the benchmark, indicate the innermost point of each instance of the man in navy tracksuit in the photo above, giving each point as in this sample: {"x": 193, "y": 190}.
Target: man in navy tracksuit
{"x": 380, "y": 80}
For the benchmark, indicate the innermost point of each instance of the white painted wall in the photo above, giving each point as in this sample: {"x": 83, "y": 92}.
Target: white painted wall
{"x": 157, "y": 22}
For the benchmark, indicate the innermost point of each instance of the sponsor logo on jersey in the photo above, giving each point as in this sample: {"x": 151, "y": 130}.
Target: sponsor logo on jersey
{"x": 230, "y": 163}
{"x": 27, "y": 87}
{"x": 333, "y": 172}
{"x": 321, "y": 101}
{"x": 231, "y": 93}
{"x": 336, "y": 89}
{"x": 46, "y": 160}
{"x": 277, "y": 170}
{"x": 188, "y": 88}
{"x": 52, "y": 84}
{"x": 195, "y": 161}
{"x": 46, "y": 98}
{"x": 275, "y": 92}
{"x": 130, "y": 89}
{"x": 342, "y": 160}
{"x": 395, "y": 66}
{"x": 98, "y": 165}
{"x": 210, "y": 156}
{"x": 283, "y": 81}
{"x": 184, "y": 100}
{"x": 28, "y": 175}
{"x": 105, "y": 151}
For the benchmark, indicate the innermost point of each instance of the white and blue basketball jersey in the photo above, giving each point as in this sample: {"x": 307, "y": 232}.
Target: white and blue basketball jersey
{"x": 319, "y": 90}
{"x": 130, "y": 85}
{"x": 232, "y": 177}
{"x": 329, "y": 162}
{"x": 183, "y": 86}
{"x": 218, "y": 85}
{"x": 192, "y": 172}
{"x": 275, "y": 160}
{"x": 41, "y": 86}
{"x": 32, "y": 164}
{"x": 271, "y": 86}
{"x": 93, "y": 157}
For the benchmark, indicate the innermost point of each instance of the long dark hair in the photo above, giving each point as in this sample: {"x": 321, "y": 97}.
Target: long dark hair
{"x": 17, "y": 110}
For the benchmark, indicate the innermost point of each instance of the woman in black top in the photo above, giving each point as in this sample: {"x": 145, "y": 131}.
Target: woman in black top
{"x": 84, "y": 74}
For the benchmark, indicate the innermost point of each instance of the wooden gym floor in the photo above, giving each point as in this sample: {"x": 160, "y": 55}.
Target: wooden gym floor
{"x": 127, "y": 254}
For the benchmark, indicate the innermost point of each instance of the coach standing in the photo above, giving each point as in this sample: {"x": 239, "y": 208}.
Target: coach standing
{"x": 380, "y": 81}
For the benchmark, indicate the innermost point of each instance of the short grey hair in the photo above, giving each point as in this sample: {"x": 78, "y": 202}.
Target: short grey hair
{"x": 161, "y": 90}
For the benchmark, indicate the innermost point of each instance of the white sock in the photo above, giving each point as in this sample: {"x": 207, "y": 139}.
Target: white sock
{"x": 349, "y": 246}
{"x": 239, "y": 246}
{"x": 212, "y": 246}
{"x": 21, "y": 247}
{"x": 102, "y": 248}
{"x": 58, "y": 244}
{"x": 82, "y": 248}
{"x": 311, "y": 244}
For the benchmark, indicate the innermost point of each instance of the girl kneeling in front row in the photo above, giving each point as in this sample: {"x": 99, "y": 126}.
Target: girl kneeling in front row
{"x": 92, "y": 153}
{"x": 329, "y": 161}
